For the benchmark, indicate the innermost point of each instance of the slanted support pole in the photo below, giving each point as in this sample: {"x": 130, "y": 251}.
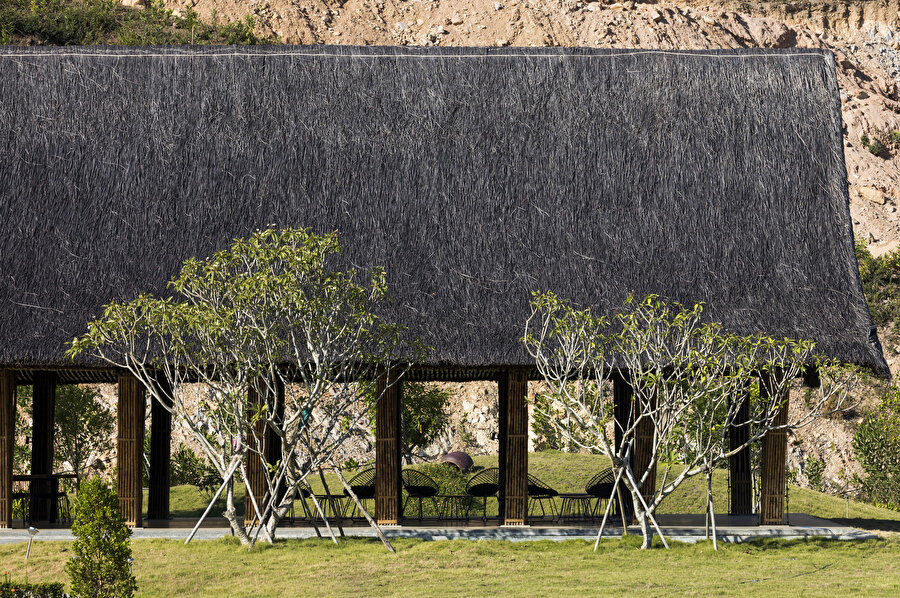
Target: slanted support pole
{"x": 773, "y": 459}
{"x": 7, "y": 443}
{"x": 387, "y": 449}
{"x": 513, "y": 388}
{"x": 130, "y": 447}
{"x": 270, "y": 448}
{"x": 160, "y": 454}
{"x": 739, "y": 463}
{"x": 43, "y": 502}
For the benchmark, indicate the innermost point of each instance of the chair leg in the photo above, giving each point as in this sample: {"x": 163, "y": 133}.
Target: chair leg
{"x": 435, "y": 505}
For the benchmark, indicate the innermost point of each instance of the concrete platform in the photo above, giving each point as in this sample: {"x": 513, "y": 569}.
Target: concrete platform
{"x": 681, "y": 528}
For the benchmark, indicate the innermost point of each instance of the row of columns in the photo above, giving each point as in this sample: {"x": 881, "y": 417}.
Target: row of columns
{"x": 513, "y": 449}
{"x": 513, "y": 457}
{"x": 773, "y": 455}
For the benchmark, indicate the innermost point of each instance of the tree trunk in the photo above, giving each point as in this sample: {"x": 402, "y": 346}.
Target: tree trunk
{"x": 237, "y": 526}
{"x": 710, "y": 509}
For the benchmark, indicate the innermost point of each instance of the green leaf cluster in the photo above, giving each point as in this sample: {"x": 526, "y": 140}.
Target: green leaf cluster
{"x": 881, "y": 284}
{"x": 106, "y": 22}
{"x": 19, "y": 589}
{"x": 100, "y": 566}
{"x": 876, "y": 443}
{"x": 424, "y": 414}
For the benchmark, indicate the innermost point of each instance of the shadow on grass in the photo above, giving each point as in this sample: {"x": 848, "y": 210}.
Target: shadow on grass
{"x": 870, "y": 525}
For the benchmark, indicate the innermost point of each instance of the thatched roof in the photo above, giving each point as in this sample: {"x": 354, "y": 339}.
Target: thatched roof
{"x": 474, "y": 175}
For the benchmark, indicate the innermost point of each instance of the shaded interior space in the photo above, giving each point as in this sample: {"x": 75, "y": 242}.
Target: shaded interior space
{"x": 515, "y": 486}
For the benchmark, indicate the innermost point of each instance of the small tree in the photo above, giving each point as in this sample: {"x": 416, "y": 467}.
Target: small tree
{"x": 423, "y": 415}
{"x": 268, "y": 316}
{"x": 101, "y": 564}
{"x": 877, "y": 446}
{"x": 689, "y": 381}
{"x": 84, "y": 427}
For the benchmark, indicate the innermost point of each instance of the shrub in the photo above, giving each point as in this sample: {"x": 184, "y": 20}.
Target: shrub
{"x": 878, "y": 141}
{"x": 877, "y": 446}
{"x": 100, "y": 566}
{"x": 423, "y": 413}
{"x": 85, "y": 22}
{"x": 186, "y": 467}
{"x": 17, "y": 589}
{"x": 881, "y": 283}
{"x": 84, "y": 426}
{"x": 815, "y": 471}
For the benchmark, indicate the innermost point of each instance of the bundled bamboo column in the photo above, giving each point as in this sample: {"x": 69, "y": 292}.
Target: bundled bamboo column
{"x": 270, "y": 449}
{"x": 160, "y": 455}
{"x": 130, "y": 446}
{"x": 43, "y": 501}
{"x": 7, "y": 443}
{"x": 623, "y": 410}
{"x": 513, "y": 389}
{"x": 387, "y": 449}
{"x": 773, "y": 459}
{"x": 739, "y": 463}
{"x": 643, "y": 453}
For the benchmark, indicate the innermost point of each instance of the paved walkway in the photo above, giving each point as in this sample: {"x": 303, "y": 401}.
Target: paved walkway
{"x": 682, "y": 528}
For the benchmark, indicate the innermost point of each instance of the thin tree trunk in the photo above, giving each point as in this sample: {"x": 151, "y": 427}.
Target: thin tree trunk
{"x": 710, "y": 508}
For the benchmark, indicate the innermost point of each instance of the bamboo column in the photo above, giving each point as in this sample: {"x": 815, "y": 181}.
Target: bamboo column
{"x": 270, "y": 449}
{"x": 643, "y": 453}
{"x": 256, "y": 477}
{"x": 160, "y": 455}
{"x": 513, "y": 389}
{"x": 623, "y": 394}
{"x": 773, "y": 461}
{"x": 43, "y": 502}
{"x": 739, "y": 463}
{"x": 130, "y": 447}
{"x": 387, "y": 449}
{"x": 7, "y": 443}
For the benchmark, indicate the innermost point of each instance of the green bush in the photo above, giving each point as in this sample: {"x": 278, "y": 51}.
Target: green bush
{"x": 84, "y": 426}
{"x": 815, "y": 471}
{"x": 90, "y": 22}
{"x": 17, "y": 589}
{"x": 423, "y": 413}
{"x": 450, "y": 480}
{"x": 186, "y": 467}
{"x": 101, "y": 565}
{"x": 881, "y": 284}
{"x": 877, "y": 446}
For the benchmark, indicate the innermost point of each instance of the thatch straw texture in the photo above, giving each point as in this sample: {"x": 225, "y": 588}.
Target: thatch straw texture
{"x": 473, "y": 175}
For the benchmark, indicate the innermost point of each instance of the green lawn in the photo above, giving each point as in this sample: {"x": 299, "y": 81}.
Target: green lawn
{"x": 543, "y": 568}
{"x": 567, "y": 472}
{"x": 462, "y": 568}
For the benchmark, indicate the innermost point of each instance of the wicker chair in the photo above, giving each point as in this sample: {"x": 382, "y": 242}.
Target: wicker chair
{"x": 538, "y": 491}
{"x": 363, "y": 486}
{"x": 418, "y": 486}
{"x": 482, "y": 485}
{"x": 601, "y": 487}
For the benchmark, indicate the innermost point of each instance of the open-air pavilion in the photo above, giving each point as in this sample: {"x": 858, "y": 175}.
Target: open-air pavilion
{"x": 474, "y": 176}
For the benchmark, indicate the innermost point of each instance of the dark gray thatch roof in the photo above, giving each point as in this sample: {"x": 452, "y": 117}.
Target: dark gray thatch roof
{"x": 473, "y": 175}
